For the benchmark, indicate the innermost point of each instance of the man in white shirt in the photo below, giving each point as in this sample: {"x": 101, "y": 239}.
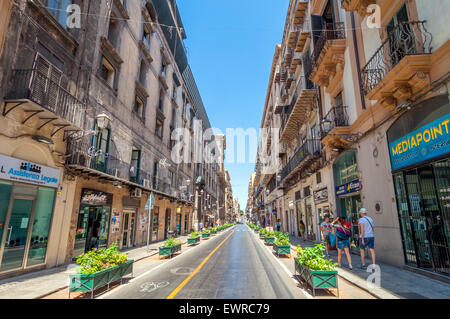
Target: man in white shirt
{"x": 366, "y": 236}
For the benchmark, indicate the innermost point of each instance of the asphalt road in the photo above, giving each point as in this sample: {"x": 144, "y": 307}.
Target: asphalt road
{"x": 237, "y": 266}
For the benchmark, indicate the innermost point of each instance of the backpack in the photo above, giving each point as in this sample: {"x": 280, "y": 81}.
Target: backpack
{"x": 343, "y": 233}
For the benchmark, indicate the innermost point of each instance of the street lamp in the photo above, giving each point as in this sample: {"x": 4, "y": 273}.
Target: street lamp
{"x": 103, "y": 120}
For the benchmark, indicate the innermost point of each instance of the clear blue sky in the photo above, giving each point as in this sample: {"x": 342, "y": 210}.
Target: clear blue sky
{"x": 230, "y": 49}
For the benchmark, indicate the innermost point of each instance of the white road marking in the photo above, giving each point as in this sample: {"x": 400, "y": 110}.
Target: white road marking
{"x": 149, "y": 271}
{"x": 283, "y": 266}
{"x": 151, "y": 286}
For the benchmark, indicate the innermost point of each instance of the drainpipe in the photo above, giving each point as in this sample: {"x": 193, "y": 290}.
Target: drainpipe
{"x": 358, "y": 66}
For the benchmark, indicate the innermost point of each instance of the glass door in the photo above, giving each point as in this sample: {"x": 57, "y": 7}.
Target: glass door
{"x": 16, "y": 233}
{"x": 155, "y": 224}
{"x": 126, "y": 222}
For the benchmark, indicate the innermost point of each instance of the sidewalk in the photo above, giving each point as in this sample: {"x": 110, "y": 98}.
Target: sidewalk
{"x": 40, "y": 283}
{"x": 395, "y": 282}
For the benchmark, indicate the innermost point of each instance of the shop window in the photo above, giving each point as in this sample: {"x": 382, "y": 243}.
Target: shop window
{"x": 346, "y": 168}
{"x": 107, "y": 72}
{"x": 5, "y": 193}
{"x": 41, "y": 226}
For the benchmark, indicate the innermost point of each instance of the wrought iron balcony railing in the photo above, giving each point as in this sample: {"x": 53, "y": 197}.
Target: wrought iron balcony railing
{"x": 407, "y": 38}
{"x": 82, "y": 153}
{"x": 332, "y": 31}
{"x": 309, "y": 148}
{"x": 336, "y": 117}
{"x": 39, "y": 88}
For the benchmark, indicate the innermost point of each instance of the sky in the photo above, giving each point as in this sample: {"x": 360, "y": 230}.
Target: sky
{"x": 230, "y": 47}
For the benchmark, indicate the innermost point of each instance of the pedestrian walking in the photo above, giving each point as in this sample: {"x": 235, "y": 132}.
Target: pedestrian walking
{"x": 343, "y": 240}
{"x": 278, "y": 225}
{"x": 302, "y": 229}
{"x": 325, "y": 229}
{"x": 367, "y": 236}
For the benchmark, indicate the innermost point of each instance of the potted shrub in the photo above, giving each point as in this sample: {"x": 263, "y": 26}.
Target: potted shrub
{"x": 282, "y": 245}
{"x": 194, "y": 238}
{"x": 98, "y": 268}
{"x": 262, "y": 233}
{"x": 269, "y": 238}
{"x": 205, "y": 233}
{"x": 212, "y": 231}
{"x": 170, "y": 247}
{"x": 313, "y": 268}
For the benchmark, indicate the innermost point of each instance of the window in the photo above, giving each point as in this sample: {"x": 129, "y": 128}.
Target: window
{"x": 146, "y": 38}
{"x": 161, "y": 100}
{"x": 107, "y": 72}
{"x": 159, "y": 128}
{"x": 139, "y": 107}
{"x": 59, "y": 10}
{"x": 171, "y": 178}
{"x": 318, "y": 178}
{"x": 100, "y": 146}
{"x": 142, "y": 73}
{"x": 135, "y": 165}
{"x": 338, "y": 100}
{"x": 114, "y": 30}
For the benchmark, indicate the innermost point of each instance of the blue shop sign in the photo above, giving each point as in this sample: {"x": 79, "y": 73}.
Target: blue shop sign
{"x": 348, "y": 188}
{"x": 425, "y": 143}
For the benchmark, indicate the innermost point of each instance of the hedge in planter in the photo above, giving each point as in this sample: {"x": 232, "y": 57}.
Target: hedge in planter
{"x": 205, "y": 234}
{"x": 99, "y": 268}
{"x": 171, "y": 246}
{"x": 315, "y": 270}
{"x": 269, "y": 238}
{"x": 194, "y": 238}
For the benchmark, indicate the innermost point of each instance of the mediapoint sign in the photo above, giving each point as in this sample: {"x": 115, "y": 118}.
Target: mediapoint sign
{"x": 425, "y": 143}
{"x": 18, "y": 170}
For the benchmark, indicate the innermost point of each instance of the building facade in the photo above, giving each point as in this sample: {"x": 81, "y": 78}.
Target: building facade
{"x": 88, "y": 130}
{"x": 361, "y": 101}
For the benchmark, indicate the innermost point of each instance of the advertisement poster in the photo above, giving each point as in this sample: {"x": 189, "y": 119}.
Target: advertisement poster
{"x": 143, "y": 220}
{"x": 115, "y": 222}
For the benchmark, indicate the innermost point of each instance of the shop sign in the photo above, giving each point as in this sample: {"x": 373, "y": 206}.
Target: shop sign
{"x": 321, "y": 195}
{"x": 352, "y": 187}
{"x": 429, "y": 141}
{"x": 95, "y": 198}
{"x": 18, "y": 170}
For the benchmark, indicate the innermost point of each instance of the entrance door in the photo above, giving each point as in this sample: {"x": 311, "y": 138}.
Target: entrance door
{"x": 155, "y": 224}
{"x": 129, "y": 224}
{"x": 16, "y": 233}
{"x": 291, "y": 213}
{"x": 168, "y": 217}
{"x": 434, "y": 221}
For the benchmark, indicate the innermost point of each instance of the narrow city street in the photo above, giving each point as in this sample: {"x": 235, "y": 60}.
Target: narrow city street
{"x": 239, "y": 268}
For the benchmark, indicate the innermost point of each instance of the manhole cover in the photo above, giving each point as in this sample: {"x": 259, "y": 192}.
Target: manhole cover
{"x": 182, "y": 271}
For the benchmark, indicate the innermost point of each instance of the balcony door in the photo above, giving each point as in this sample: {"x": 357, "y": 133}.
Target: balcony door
{"x": 135, "y": 166}
{"x": 401, "y": 39}
{"x": 101, "y": 149}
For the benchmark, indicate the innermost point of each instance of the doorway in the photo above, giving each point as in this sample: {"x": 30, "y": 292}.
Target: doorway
{"x": 129, "y": 228}
{"x": 167, "y": 224}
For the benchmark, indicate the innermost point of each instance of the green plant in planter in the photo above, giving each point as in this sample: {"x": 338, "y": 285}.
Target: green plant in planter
{"x": 205, "y": 231}
{"x": 314, "y": 258}
{"x": 269, "y": 234}
{"x": 171, "y": 242}
{"x": 194, "y": 234}
{"x": 99, "y": 259}
{"x": 283, "y": 239}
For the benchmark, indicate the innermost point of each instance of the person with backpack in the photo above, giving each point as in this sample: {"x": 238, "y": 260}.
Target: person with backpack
{"x": 366, "y": 236}
{"x": 278, "y": 225}
{"x": 343, "y": 235}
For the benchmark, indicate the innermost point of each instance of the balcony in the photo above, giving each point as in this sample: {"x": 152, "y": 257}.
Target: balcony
{"x": 327, "y": 63}
{"x": 84, "y": 159}
{"x": 334, "y": 127}
{"x": 359, "y": 6}
{"x": 400, "y": 67}
{"x": 318, "y": 6}
{"x": 300, "y": 12}
{"x": 38, "y": 95}
{"x": 303, "y": 157}
{"x": 296, "y": 114}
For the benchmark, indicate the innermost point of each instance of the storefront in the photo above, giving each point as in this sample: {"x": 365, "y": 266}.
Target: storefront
{"x": 27, "y": 198}
{"x": 322, "y": 206}
{"x": 419, "y": 148}
{"x": 93, "y": 221}
{"x": 348, "y": 193}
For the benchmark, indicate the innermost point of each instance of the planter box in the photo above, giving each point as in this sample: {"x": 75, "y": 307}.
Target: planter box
{"x": 193, "y": 241}
{"x": 205, "y": 235}
{"x": 86, "y": 283}
{"x": 317, "y": 279}
{"x": 169, "y": 251}
{"x": 269, "y": 240}
{"x": 212, "y": 232}
{"x": 282, "y": 249}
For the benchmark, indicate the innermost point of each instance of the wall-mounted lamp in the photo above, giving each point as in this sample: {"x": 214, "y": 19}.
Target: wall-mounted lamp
{"x": 103, "y": 120}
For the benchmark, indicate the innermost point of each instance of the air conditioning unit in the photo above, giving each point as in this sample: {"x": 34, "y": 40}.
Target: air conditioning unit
{"x": 147, "y": 183}
{"x": 137, "y": 193}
